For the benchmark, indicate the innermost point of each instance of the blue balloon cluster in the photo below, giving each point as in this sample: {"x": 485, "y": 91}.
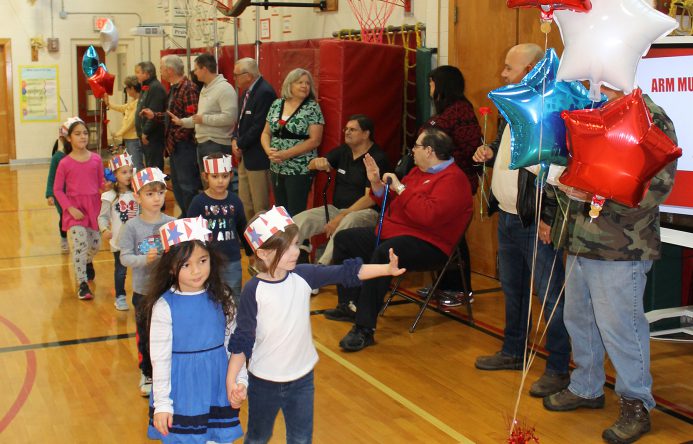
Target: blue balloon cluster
{"x": 533, "y": 109}
{"x": 90, "y": 61}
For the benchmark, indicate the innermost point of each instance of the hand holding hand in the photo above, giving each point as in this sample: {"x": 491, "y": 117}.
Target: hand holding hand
{"x": 482, "y": 154}
{"x": 75, "y": 213}
{"x": 275, "y": 156}
{"x": 237, "y": 394}
{"x": 162, "y": 422}
{"x": 394, "y": 265}
{"x": 107, "y": 234}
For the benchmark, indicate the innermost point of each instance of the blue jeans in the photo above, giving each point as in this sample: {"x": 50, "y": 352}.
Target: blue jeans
{"x": 515, "y": 251}
{"x": 134, "y": 149}
{"x": 604, "y": 312}
{"x": 294, "y": 398}
{"x": 185, "y": 174}
{"x": 232, "y": 274}
{"x": 119, "y": 273}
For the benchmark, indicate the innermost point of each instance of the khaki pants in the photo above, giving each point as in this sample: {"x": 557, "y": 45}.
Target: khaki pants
{"x": 253, "y": 190}
{"x": 312, "y": 222}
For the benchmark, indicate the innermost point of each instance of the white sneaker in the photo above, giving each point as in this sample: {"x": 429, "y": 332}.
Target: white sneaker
{"x": 121, "y": 303}
{"x": 315, "y": 291}
{"x": 64, "y": 246}
{"x": 146, "y": 387}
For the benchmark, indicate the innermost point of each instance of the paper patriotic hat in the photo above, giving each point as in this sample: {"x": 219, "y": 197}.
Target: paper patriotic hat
{"x": 65, "y": 127}
{"x": 145, "y": 176}
{"x": 218, "y": 165}
{"x": 266, "y": 225}
{"x": 119, "y": 160}
{"x": 184, "y": 230}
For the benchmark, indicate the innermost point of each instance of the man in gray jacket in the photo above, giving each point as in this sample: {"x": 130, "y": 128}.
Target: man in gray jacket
{"x": 217, "y": 110}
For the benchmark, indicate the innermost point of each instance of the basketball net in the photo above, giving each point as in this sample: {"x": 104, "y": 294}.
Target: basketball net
{"x": 372, "y": 16}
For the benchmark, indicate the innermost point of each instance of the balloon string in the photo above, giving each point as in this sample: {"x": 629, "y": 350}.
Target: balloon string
{"x": 482, "y": 194}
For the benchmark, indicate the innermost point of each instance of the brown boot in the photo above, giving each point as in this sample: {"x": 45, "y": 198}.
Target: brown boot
{"x": 633, "y": 422}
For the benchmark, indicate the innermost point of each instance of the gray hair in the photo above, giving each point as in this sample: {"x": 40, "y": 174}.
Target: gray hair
{"x": 174, "y": 62}
{"x": 149, "y": 68}
{"x": 292, "y": 77}
{"x": 249, "y": 65}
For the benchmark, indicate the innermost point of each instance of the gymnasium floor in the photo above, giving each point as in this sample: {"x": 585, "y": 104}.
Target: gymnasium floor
{"x": 68, "y": 368}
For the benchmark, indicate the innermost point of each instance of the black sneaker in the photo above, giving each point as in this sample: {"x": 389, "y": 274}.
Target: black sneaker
{"x": 84, "y": 292}
{"x": 455, "y": 298}
{"x": 91, "y": 273}
{"x": 357, "y": 339}
{"x": 340, "y": 313}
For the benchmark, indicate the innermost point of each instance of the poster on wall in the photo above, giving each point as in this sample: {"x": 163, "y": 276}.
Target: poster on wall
{"x": 38, "y": 100}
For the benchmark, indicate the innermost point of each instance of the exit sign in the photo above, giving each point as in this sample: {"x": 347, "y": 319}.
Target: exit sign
{"x": 99, "y": 22}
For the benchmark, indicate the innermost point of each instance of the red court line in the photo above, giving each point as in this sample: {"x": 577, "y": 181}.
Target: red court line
{"x": 29, "y": 377}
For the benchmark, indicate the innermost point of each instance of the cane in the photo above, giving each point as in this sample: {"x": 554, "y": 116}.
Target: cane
{"x": 382, "y": 210}
{"x": 324, "y": 197}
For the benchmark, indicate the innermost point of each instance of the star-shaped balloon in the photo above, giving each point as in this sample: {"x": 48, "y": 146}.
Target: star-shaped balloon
{"x": 533, "y": 109}
{"x": 606, "y": 44}
{"x": 548, "y": 7}
{"x": 616, "y": 150}
{"x": 101, "y": 82}
{"x": 90, "y": 61}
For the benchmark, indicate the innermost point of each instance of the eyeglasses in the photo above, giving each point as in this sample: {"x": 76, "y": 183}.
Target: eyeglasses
{"x": 417, "y": 145}
{"x": 240, "y": 73}
{"x": 351, "y": 130}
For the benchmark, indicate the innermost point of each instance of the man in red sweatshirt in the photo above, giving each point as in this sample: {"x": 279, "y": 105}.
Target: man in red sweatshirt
{"x": 427, "y": 214}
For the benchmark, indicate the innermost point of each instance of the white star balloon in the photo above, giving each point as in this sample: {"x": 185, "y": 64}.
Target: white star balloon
{"x": 605, "y": 44}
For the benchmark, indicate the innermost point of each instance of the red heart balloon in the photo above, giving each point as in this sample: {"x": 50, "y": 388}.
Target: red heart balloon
{"x": 548, "y": 6}
{"x": 101, "y": 82}
{"x": 616, "y": 150}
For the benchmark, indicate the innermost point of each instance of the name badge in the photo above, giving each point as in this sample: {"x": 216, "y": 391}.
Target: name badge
{"x": 341, "y": 171}
{"x": 248, "y": 112}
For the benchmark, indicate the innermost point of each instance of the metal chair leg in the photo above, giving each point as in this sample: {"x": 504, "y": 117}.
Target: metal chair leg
{"x": 431, "y": 291}
{"x": 393, "y": 292}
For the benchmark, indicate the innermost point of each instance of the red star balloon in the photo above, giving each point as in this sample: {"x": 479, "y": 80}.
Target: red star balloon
{"x": 101, "y": 82}
{"x": 549, "y": 6}
{"x": 616, "y": 150}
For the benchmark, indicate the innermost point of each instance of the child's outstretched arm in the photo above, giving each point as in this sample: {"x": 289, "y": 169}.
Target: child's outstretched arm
{"x": 370, "y": 271}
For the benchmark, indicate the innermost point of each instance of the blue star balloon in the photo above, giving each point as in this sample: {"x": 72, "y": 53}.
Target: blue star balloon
{"x": 90, "y": 61}
{"x": 533, "y": 109}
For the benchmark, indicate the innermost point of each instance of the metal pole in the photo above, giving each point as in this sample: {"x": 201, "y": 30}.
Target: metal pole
{"x": 382, "y": 210}
{"x": 257, "y": 35}
{"x": 235, "y": 39}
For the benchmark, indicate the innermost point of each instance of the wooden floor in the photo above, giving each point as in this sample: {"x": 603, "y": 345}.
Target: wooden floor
{"x": 68, "y": 368}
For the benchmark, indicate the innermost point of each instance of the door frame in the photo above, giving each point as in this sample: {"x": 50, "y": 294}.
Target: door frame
{"x": 7, "y": 45}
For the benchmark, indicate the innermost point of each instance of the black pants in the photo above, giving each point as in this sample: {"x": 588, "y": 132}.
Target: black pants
{"x": 291, "y": 191}
{"x": 452, "y": 280}
{"x": 414, "y": 254}
{"x": 145, "y": 362}
{"x": 154, "y": 154}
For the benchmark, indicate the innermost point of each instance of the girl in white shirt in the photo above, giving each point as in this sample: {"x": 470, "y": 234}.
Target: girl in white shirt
{"x": 192, "y": 314}
{"x": 274, "y": 331}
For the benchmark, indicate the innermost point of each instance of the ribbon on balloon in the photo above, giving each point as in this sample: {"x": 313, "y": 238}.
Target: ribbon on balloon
{"x": 616, "y": 150}
{"x": 548, "y": 7}
{"x": 533, "y": 109}
{"x": 101, "y": 82}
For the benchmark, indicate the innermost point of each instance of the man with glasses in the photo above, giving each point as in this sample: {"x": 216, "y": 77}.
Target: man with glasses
{"x": 253, "y": 163}
{"x": 428, "y": 211}
{"x": 352, "y": 204}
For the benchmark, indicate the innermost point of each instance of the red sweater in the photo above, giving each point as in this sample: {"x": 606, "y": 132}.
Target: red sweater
{"x": 435, "y": 208}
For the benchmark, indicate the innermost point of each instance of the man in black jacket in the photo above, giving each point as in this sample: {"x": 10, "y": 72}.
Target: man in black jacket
{"x": 253, "y": 166}
{"x": 150, "y": 132}
{"x": 514, "y": 192}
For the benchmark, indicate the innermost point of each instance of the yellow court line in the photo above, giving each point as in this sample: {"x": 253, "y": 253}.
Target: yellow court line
{"x": 33, "y": 267}
{"x": 440, "y": 425}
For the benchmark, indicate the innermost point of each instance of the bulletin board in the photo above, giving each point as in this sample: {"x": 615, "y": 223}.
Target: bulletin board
{"x": 39, "y": 100}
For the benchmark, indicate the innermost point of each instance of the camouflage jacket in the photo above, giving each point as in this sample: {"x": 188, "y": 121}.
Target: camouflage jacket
{"x": 620, "y": 233}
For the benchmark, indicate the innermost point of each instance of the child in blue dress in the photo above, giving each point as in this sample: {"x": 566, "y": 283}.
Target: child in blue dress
{"x": 192, "y": 314}
{"x": 274, "y": 330}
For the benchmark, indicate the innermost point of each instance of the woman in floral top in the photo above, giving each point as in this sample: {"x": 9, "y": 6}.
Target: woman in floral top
{"x": 291, "y": 137}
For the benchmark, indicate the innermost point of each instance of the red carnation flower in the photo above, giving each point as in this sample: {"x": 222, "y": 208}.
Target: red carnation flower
{"x": 282, "y": 122}
{"x": 191, "y": 109}
{"x": 145, "y": 87}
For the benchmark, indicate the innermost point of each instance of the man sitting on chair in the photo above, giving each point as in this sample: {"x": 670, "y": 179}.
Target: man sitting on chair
{"x": 353, "y": 206}
{"x": 427, "y": 215}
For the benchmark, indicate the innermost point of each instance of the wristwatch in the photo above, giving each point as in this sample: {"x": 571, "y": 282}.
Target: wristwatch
{"x": 401, "y": 187}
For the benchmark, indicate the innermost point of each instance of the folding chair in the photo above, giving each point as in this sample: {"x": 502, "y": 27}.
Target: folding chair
{"x": 454, "y": 260}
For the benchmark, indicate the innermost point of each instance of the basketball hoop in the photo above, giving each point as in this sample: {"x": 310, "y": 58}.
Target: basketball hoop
{"x": 373, "y": 15}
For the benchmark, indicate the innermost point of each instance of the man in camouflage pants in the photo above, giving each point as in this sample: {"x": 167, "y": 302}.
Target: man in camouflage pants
{"x": 608, "y": 261}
